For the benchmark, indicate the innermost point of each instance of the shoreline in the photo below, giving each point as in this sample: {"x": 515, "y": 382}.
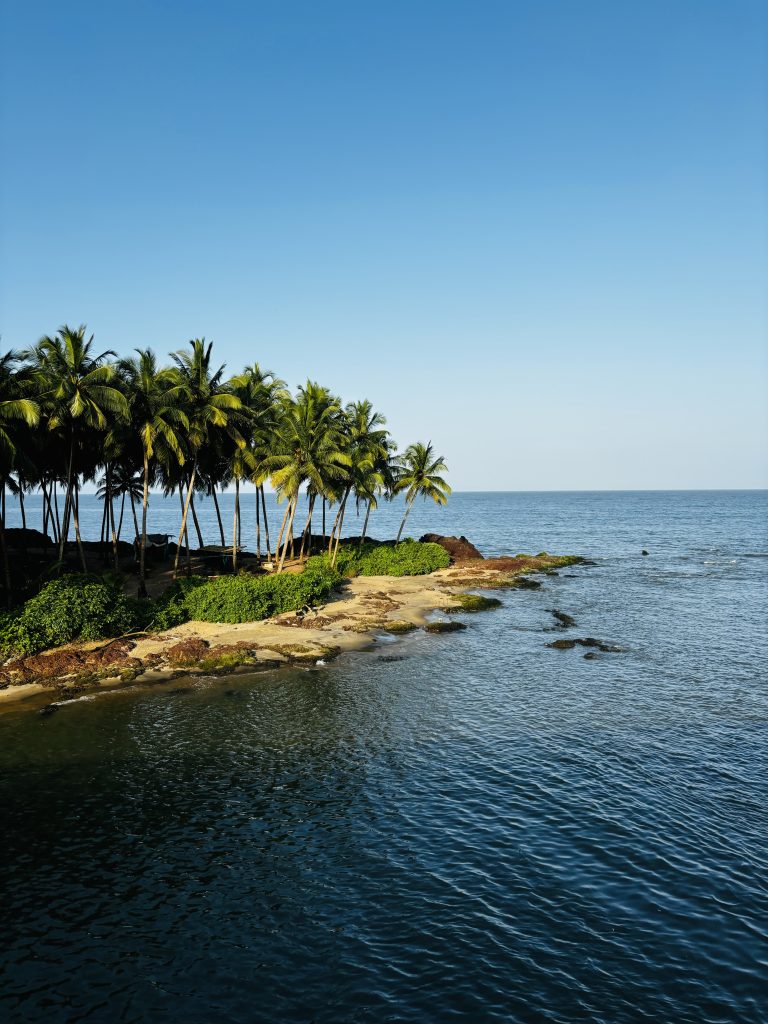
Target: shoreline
{"x": 349, "y": 621}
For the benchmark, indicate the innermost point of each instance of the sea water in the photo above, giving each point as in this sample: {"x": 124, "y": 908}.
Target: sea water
{"x": 471, "y": 827}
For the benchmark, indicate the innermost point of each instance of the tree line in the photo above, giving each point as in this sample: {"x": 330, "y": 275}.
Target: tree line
{"x": 69, "y": 415}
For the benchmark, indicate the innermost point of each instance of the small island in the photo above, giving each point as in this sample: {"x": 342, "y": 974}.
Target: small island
{"x": 82, "y": 614}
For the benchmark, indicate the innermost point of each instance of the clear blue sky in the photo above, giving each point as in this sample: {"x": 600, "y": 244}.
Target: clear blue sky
{"x": 533, "y": 232}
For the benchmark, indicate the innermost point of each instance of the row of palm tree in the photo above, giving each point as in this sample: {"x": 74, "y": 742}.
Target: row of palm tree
{"x": 69, "y": 415}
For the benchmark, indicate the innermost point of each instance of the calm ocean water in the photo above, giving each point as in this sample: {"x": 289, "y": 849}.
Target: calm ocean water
{"x": 470, "y": 827}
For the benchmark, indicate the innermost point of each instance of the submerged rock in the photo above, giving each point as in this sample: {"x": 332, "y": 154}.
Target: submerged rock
{"x": 563, "y": 620}
{"x": 587, "y": 641}
{"x": 524, "y": 583}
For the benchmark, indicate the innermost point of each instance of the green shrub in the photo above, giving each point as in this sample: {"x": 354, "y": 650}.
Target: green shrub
{"x": 244, "y": 598}
{"x": 409, "y": 558}
{"x": 70, "y": 608}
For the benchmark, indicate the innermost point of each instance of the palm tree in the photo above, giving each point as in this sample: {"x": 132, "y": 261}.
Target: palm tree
{"x": 418, "y": 470}
{"x": 76, "y": 387}
{"x": 208, "y": 404}
{"x": 155, "y": 396}
{"x": 264, "y": 396}
{"x": 16, "y": 410}
{"x": 368, "y": 445}
{"x": 308, "y": 449}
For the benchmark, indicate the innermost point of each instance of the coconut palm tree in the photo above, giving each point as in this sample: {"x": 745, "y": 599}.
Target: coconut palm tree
{"x": 418, "y": 474}
{"x": 16, "y": 411}
{"x": 208, "y": 404}
{"x": 308, "y": 449}
{"x": 77, "y": 391}
{"x": 368, "y": 445}
{"x": 157, "y": 418}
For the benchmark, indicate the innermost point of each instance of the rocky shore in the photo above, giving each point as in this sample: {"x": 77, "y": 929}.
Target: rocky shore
{"x": 364, "y": 608}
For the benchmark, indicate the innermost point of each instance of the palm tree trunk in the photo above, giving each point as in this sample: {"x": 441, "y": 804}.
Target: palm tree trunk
{"x": 112, "y": 524}
{"x": 78, "y": 538}
{"x": 143, "y": 546}
{"x": 218, "y": 514}
{"x": 235, "y": 524}
{"x": 365, "y": 524}
{"x": 200, "y": 542}
{"x": 292, "y": 506}
{"x": 46, "y": 507}
{"x": 307, "y": 529}
{"x": 56, "y": 507}
{"x": 23, "y": 513}
{"x": 323, "y": 544}
{"x": 333, "y": 530}
{"x": 282, "y": 529}
{"x": 407, "y": 513}
{"x": 258, "y": 526}
{"x": 184, "y": 514}
{"x": 341, "y": 524}
{"x": 122, "y": 510}
{"x": 6, "y": 565}
{"x": 266, "y": 523}
{"x": 135, "y": 520}
{"x": 103, "y": 525}
{"x": 68, "y": 499}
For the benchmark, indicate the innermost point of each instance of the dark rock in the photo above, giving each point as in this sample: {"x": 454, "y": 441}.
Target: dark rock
{"x": 563, "y": 620}
{"x": 524, "y": 583}
{"x": 49, "y": 709}
{"x": 587, "y": 641}
{"x": 590, "y": 655}
{"x": 16, "y": 537}
{"x": 459, "y": 548}
{"x": 643, "y": 552}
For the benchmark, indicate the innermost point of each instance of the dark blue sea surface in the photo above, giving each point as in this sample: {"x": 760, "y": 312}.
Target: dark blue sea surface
{"x": 467, "y": 827}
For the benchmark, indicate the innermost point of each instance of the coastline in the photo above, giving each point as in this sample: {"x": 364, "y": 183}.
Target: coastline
{"x": 349, "y": 621}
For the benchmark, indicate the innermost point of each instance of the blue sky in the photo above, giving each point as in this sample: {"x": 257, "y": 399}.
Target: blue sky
{"x": 532, "y": 232}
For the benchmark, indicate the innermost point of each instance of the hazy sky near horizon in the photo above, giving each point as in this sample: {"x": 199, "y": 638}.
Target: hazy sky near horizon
{"x": 534, "y": 232}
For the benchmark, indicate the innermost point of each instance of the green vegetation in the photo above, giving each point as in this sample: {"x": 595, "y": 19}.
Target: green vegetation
{"x": 408, "y": 558}
{"x": 81, "y": 608}
{"x": 70, "y": 608}
{"x": 244, "y": 598}
{"x": 69, "y": 414}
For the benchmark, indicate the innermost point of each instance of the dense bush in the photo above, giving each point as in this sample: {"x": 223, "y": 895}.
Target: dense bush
{"x": 245, "y": 598}
{"x": 409, "y": 558}
{"x": 70, "y": 608}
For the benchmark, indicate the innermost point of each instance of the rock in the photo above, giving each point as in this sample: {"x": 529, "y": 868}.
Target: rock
{"x": 524, "y": 583}
{"x": 563, "y": 620}
{"x": 187, "y": 651}
{"x": 49, "y": 709}
{"x": 16, "y": 538}
{"x": 459, "y": 548}
{"x": 444, "y": 627}
{"x": 587, "y": 641}
{"x": 590, "y": 655}
{"x": 643, "y": 552}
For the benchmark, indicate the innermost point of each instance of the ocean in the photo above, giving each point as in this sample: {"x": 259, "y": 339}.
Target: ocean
{"x": 465, "y": 827}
